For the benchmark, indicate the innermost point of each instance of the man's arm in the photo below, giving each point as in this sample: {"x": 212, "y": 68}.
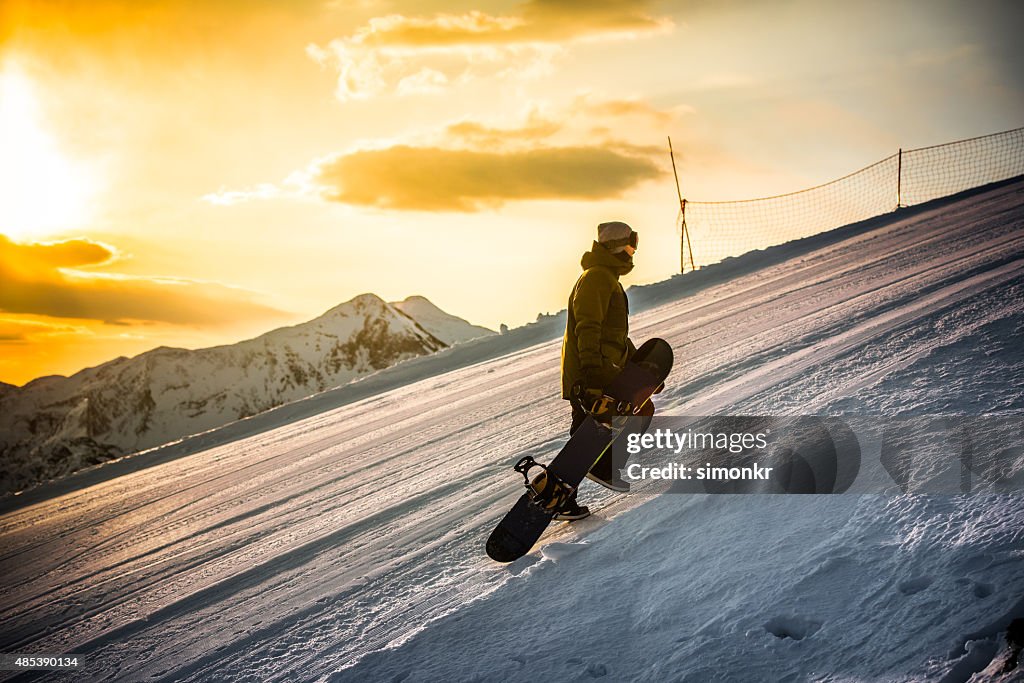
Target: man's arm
{"x": 590, "y": 305}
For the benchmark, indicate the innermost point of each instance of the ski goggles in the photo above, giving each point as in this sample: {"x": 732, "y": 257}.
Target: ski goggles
{"x": 632, "y": 241}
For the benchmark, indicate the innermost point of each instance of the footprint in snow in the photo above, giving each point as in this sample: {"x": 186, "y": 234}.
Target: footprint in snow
{"x": 983, "y": 590}
{"x": 792, "y": 626}
{"x": 915, "y": 585}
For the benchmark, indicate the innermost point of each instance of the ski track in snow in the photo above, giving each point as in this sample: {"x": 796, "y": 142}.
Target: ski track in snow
{"x": 296, "y": 553}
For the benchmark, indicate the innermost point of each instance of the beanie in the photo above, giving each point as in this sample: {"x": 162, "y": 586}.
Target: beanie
{"x": 614, "y": 235}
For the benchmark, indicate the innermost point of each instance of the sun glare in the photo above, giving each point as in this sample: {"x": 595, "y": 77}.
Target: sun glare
{"x": 41, "y": 190}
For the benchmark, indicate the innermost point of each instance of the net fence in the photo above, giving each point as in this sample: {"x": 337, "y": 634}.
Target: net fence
{"x": 712, "y": 231}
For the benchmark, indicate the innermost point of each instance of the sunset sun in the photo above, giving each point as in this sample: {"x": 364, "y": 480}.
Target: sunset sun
{"x": 41, "y": 189}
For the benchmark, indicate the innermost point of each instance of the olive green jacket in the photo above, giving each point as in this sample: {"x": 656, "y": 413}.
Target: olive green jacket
{"x": 596, "y": 339}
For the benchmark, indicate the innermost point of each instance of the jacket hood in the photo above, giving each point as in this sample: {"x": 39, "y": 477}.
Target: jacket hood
{"x": 600, "y": 256}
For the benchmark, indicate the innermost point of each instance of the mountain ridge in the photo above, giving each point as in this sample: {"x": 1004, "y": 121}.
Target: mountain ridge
{"x": 55, "y": 425}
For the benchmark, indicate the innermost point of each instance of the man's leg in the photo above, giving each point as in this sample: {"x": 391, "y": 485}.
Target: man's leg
{"x": 573, "y": 510}
{"x": 606, "y": 470}
{"x": 578, "y": 416}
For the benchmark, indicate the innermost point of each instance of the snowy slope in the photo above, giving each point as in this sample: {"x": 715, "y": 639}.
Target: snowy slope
{"x": 348, "y": 545}
{"x": 448, "y": 328}
{"x": 54, "y": 425}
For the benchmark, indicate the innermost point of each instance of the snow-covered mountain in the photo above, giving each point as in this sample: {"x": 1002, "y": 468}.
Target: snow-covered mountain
{"x": 445, "y": 326}
{"x": 55, "y": 425}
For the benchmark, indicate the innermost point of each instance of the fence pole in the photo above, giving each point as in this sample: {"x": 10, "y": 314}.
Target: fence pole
{"x": 682, "y": 237}
{"x": 682, "y": 208}
{"x": 899, "y": 178}
{"x": 686, "y": 236}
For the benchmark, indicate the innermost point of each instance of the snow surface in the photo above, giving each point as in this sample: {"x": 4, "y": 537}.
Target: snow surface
{"x": 348, "y": 544}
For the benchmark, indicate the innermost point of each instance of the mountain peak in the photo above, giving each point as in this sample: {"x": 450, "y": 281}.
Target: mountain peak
{"x": 448, "y": 328}
{"x": 357, "y": 304}
{"x": 418, "y": 304}
{"x": 367, "y": 298}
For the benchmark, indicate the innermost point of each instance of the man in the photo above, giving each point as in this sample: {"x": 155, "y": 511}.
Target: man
{"x": 596, "y": 345}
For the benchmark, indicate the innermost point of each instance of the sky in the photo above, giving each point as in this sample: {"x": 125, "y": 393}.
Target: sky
{"x": 185, "y": 173}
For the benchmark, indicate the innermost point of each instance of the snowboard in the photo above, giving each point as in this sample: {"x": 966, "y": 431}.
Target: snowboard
{"x": 628, "y": 394}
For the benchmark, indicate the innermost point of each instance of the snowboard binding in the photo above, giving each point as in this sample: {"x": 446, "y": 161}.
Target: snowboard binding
{"x": 545, "y": 490}
{"x": 604, "y": 407}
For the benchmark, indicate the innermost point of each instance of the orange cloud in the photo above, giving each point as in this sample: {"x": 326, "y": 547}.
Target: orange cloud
{"x": 441, "y": 29}
{"x": 535, "y": 20}
{"x": 33, "y": 346}
{"x": 470, "y": 165}
{"x": 34, "y": 256}
{"x": 437, "y": 179}
{"x": 615, "y": 120}
{"x": 21, "y": 330}
{"x": 40, "y": 279}
{"x": 481, "y": 136}
{"x": 629, "y": 107}
{"x": 417, "y": 54}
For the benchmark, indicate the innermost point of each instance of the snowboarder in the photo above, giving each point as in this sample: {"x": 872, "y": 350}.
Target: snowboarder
{"x": 596, "y": 345}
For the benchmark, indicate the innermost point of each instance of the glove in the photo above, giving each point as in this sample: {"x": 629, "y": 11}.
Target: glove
{"x": 586, "y": 395}
{"x": 590, "y": 386}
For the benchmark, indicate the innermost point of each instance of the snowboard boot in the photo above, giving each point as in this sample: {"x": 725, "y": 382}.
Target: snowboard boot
{"x": 572, "y": 511}
{"x": 607, "y": 476}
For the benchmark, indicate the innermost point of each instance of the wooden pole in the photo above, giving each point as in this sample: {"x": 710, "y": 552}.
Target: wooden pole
{"x": 682, "y": 209}
{"x": 899, "y": 178}
{"x": 689, "y": 240}
{"x": 672, "y": 156}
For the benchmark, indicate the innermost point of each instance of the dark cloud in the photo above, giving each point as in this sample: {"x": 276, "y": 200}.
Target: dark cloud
{"x": 436, "y": 179}
{"x": 36, "y": 278}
